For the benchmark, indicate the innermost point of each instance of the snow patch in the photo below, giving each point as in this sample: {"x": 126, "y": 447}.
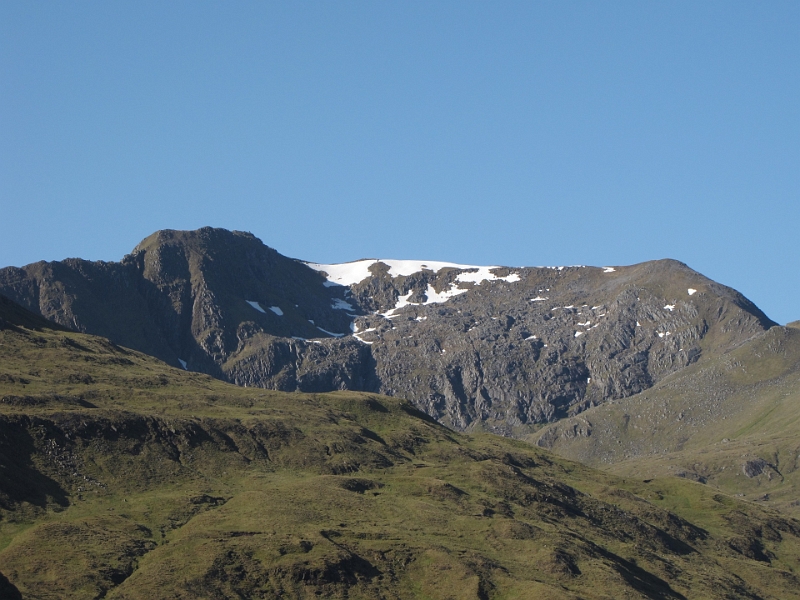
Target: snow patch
{"x": 432, "y": 297}
{"x": 276, "y": 310}
{"x": 578, "y": 333}
{"x": 183, "y": 363}
{"x": 691, "y": 291}
{"x": 538, "y": 299}
{"x": 608, "y": 269}
{"x": 669, "y": 307}
{"x": 330, "y": 332}
{"x": 401, "y": 302}
{"x": 435, "y": 297}
{"x": 344, "y": 273}
{"x": 354, "y": 272}
{"x": 404, "y": 268}
{"x": 356, "y": 335}
{"x": 339, "y": 304}
{"x": 256, "y": 305}
{"x": 481, "y": 274}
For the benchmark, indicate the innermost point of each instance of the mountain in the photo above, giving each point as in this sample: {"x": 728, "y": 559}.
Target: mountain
{"x": 495, "y": 348}
{"x": 123, "y": 478}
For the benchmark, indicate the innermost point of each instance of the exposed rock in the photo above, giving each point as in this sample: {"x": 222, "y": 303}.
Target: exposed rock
{"x": 755, "y": 467}
{"x": 499, "y": 346}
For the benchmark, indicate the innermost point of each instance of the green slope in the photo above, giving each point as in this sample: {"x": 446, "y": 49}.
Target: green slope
{"x": 121, "y": 477}
{"x": 732, "y": 422}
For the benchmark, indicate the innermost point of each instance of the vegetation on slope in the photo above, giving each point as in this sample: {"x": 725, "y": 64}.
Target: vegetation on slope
{"x": 121, "y": 477}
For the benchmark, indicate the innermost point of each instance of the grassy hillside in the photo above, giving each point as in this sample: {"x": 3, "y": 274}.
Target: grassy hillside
{"x": 121, "y": 477}
{"x": 731, "y": 422}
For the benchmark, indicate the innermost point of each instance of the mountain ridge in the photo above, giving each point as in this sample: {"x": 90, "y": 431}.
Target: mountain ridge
{"x": 494, "y": 347}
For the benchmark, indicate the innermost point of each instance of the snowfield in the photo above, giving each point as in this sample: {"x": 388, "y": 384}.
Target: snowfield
{"x": 357, "y": 271}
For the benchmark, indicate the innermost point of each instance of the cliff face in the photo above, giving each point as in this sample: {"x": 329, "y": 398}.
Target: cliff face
{"x": 499, "y": 346}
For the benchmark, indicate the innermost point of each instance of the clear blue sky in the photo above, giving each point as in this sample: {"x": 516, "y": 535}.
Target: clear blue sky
{"x": 599, "y": 133}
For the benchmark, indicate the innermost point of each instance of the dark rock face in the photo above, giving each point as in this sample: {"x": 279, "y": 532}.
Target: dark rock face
{"x": 181, "y": 296}
{"x": 501, "y": 347}
{"x": 755, "y": 467}
{"x": 8, "y": 590}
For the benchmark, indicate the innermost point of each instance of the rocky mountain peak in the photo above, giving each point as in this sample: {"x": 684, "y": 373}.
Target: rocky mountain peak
{"x": 490, "y": 346}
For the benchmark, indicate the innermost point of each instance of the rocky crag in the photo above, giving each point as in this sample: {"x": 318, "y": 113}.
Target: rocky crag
{"x": 495, "y": 347}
